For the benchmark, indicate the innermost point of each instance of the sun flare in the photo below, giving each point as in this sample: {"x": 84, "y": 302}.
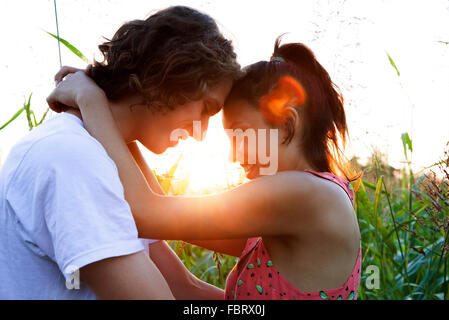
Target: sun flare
{"x": 195, "y": 167}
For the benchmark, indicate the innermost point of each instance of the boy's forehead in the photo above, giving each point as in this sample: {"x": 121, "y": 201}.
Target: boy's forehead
{"x": 220, "y": 91}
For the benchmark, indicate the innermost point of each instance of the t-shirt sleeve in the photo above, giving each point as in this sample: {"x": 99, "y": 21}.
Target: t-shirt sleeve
{"x": 77, "y": 205}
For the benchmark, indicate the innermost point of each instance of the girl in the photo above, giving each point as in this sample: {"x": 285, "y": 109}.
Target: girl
{"x": 295, "y": 231}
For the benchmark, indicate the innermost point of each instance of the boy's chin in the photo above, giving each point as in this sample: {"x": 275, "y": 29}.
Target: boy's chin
{"x": 159, "y": 149}
{"x": 156, "y": 149}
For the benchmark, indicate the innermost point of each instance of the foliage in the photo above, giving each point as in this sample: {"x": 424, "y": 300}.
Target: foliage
{"x": 30, "y": 115}
{"x": 404, "y": 232}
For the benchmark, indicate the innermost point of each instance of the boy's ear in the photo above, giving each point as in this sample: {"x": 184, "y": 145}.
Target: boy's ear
{"x": 291, "y": 124}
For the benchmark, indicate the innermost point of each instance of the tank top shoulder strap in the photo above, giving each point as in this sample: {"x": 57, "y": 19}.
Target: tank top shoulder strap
{"x": 346, "y": 185}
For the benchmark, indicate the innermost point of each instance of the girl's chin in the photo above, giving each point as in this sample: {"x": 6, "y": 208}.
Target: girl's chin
{"x": 173, "y": 144}
{"x": 252, "y": 172}
{"x": 159, "y": 149}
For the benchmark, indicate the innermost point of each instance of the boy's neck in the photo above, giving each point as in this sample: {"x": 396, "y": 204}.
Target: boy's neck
{"x": 124, "y": 118}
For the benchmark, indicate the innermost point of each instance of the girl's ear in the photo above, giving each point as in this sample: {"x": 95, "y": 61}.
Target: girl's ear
{"x": 291, "y": 125}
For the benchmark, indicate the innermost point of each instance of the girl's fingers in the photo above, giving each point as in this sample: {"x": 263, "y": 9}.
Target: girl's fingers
{"x": 88, "y": 69}
{"x": 64, "y": 71}
{"x": 54, "y": 105}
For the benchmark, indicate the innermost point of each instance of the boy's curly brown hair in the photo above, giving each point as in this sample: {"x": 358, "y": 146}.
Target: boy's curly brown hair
{"x": 169, "y": 58}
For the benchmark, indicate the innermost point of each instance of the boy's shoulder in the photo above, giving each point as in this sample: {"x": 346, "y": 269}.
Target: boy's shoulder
{"x": 59, "y": 141}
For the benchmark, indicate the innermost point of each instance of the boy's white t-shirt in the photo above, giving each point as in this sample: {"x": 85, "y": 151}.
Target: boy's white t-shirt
{"x": 62, "y": 207}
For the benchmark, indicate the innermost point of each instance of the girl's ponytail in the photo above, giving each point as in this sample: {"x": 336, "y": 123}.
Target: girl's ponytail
{"x": 325, "y": 126}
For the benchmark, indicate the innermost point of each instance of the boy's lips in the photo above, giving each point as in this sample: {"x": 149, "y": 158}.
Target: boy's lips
{"x": 174, "y": 143}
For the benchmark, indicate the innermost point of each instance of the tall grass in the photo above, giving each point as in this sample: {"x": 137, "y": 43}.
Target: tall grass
{"x": 404, "y": 230}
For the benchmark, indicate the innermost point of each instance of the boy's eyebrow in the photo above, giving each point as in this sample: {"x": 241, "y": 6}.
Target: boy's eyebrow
{"x": 218, "y": 106}
{"x": 235, "y": 123}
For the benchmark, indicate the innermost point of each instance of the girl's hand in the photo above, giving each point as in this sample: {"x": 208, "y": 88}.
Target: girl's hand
{"x": 72, "y": 84}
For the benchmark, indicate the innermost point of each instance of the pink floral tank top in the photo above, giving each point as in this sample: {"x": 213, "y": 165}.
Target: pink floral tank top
{"x": 259, "y": 279}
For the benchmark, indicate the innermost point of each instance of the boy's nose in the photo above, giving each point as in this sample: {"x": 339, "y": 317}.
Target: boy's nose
{"x": 200, "y": 130}
{"x": 231, "y": 154}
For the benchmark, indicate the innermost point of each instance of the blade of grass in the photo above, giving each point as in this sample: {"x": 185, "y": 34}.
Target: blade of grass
{"x": 395, "y": 226}
{"x": 70, "y": 47}
{"x": 14, "y": 117}
{"x": 439, "y": 262}
{"x": 57, "y": 32}
{"x": 28, "y": 112}
{"x": 377, "y": 195}
{"x": 43, "y": 116}
{"x": 372, "y": 186}
{"x": 393, "y": 64}
{"x": 34, "y": 118}
{"x": 167, "y": 183}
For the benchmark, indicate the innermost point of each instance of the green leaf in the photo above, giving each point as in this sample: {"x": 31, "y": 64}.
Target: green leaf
{"x": 70, "y": 47}
{"x": 43, "y": 116}
{"x": 393, "y": 64}
{"x": 406, "y": 143}
{"x": 13, "y": 117}
{"x": 29, "y": 112}
{"x": 378, "y": 191}
{"x": 167, "y": 183}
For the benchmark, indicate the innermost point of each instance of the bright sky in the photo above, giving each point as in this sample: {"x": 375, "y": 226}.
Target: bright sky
{"x": 350, "y": 38}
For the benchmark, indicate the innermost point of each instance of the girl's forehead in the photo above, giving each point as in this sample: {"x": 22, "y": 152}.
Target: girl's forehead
{"x": 239, "y": 113}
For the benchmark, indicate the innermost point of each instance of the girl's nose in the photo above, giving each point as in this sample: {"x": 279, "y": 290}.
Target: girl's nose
{"x": 239, "y": 151}
{"x": 231, "y": 154}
